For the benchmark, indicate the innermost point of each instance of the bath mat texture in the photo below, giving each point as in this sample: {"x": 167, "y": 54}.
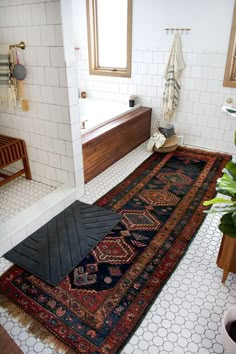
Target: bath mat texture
{"x": 57, "y": 247}
{"x": 99, "y": 304}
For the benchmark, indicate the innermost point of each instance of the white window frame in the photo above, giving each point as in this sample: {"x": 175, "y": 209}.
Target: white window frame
{"x": 94, "y": 69}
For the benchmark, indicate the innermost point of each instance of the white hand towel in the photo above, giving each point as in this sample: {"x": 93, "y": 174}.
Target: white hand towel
{"x": 156, "y": 140}
{"x": 7, "y": 90}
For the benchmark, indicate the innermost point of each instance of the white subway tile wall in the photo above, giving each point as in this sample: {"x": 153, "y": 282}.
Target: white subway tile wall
{"x": 51, "y": 87}
{"x": 199, "y": 117}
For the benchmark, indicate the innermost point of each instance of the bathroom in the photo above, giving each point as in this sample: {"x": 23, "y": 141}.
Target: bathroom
{"x": 56, "y": 75}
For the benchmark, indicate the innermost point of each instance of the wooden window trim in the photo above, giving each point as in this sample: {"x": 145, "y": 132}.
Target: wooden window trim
{"x": 94, "y": 69}
{"x": 230, "y": 68}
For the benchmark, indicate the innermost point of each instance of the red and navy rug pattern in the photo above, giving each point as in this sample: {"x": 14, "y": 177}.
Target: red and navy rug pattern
{"x": 97, "y": 307}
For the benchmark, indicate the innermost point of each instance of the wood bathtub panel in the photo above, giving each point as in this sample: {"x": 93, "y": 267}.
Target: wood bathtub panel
{"x": 106, "y": 145}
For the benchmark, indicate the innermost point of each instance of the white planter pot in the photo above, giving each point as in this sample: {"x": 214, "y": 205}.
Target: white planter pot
{"x": 229, "y": 344}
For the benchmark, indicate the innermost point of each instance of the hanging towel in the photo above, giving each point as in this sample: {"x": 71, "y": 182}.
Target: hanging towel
{"x": 7, "y": 89}
{"x": 172, "y": 75}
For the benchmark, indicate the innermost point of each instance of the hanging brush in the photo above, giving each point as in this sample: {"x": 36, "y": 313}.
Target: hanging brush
{"x": 19, "y": 73}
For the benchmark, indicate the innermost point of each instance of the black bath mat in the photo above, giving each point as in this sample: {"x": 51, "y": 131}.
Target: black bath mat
{"x": 57, "y": 247}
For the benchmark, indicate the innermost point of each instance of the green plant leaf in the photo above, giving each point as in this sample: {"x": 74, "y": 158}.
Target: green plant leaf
{"x": 222, "y": 209}
{"x": 234, "y": 218}
{"x": 222, "y": 191}
{"x": 226, "y": 185}
{"x": 218, "y": 200}
{"x": 230, "y": 110}
{"x": 227, "y": 225}
{"x": 230, "y": 169}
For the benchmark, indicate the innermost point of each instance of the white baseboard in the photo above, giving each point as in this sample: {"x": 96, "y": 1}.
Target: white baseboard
{"x": 180, "y": 139}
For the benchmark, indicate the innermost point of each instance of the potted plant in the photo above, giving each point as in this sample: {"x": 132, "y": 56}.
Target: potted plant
{"x": 226, "y": 185}
{"x": 229, "y": 330}
{"x": 226, "y": 205}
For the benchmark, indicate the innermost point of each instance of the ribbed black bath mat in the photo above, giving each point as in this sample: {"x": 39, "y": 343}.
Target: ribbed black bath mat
{"x": 57, "y": 247}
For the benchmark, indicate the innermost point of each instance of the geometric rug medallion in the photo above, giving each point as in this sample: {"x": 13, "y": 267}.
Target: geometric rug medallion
{"x": 99, "y": 304}
{"x": 57, "y": 247}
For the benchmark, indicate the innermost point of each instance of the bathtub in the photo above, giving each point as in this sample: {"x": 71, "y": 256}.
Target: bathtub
{"x": 105, "y": 142}
{"x": 95, "y": 113}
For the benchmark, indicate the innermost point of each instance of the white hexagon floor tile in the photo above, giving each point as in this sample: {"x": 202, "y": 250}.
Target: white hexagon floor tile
{"x": 186, "y": 316}
{"x": 18, "y": 195}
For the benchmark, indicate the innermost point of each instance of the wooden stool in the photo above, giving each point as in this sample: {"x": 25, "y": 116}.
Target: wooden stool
{"x": 170, "y": 144}
{"x": 227, "y": 256}
{"x": 12, "y": 150}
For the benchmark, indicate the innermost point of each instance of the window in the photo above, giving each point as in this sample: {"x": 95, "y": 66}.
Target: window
{"x": 109, "y": 37}
{"x": 230, "y": 68}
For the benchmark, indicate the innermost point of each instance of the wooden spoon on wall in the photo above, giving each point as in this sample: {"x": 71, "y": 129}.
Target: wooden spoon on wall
{"x": 23, "y": 101}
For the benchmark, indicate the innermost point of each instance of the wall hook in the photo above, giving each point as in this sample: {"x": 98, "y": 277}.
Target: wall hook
{"x": 177, "y": 30}
{"x": 21, "y": 45}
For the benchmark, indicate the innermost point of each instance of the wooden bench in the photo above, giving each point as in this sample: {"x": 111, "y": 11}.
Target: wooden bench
{"x": 12, "y": 150}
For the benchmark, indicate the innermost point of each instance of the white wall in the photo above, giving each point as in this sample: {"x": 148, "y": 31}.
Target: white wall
{"x": 209, "y": 21}
{"x": 199, "y": 116}
{"x": 51, "y": 129}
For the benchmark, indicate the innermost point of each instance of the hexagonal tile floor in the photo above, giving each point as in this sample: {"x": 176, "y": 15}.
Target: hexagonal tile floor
{"x": 186, "y": 316}
{"x": 19, "y": 194}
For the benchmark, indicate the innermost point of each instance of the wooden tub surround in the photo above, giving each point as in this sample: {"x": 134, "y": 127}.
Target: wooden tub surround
{"x": 105, "y": 145}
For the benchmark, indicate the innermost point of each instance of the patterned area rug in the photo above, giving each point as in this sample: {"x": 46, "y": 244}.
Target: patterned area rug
{"x": 97, "y": 307}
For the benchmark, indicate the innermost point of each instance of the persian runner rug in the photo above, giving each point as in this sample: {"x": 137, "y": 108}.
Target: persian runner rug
{"x": 97, "y": 307}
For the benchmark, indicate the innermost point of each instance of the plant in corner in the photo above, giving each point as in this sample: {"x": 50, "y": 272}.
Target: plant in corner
{"x": 226, "y": 185}
{"x": 226, "y": 205}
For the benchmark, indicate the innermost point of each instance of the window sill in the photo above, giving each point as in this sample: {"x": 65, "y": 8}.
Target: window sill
{"x": 103, "y": 72}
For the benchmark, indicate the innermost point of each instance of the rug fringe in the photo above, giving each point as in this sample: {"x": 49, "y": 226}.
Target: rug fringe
{"x": 34, "y": 327}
